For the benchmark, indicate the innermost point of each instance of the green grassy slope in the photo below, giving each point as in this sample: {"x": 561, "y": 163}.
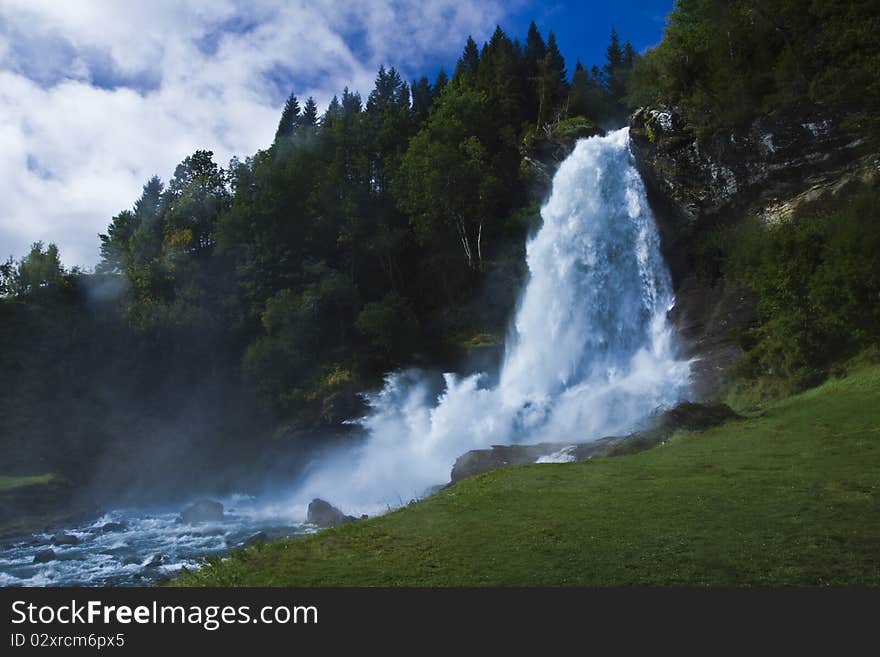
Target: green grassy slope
{"x": 788, "y": 497}
{"x": 32, "y": 503}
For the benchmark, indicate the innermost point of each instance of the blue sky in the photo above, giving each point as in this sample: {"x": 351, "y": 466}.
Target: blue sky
{"x": 96, "y": 96}
{"x": 582, "y": 29}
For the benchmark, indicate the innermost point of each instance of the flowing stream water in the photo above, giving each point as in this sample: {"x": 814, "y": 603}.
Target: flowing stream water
{"x": 590, "y": 354}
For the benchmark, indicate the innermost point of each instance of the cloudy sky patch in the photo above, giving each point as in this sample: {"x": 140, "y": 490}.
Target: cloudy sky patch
{"x": 97, "y": 96}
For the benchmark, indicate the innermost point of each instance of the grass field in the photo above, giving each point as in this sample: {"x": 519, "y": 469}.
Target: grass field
{"x": 789, "y": 496}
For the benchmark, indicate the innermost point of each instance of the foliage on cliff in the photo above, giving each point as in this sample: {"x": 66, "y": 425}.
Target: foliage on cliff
{"x": 725, "y": 62}
{"x": 817, "y": 279}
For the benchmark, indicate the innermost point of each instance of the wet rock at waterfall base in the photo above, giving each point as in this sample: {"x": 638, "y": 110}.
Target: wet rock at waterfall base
{"x": 64, "y": 539}
{"x": 155, "y": 562}
{"x": 44, "y": 556}
{"x": 202, "y": 511}
{"x": 324, "y": 514}
{"x": 113, "y": 527}
{"x": 687, "y": 416}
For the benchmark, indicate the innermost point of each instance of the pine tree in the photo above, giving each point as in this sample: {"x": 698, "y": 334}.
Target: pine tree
{"x": 613, "y": 69}
{"x": 149, "y": 206}
{"x": 468, "y": 65}
{"x": 580, "y": 89}
{"x": 289, "y": 119}
{"x": 535, "y": 49}
{"x": 334, "y": 111}
{"x": 421, "y": 97}
{"x": 500, "y": 77}
{"x": 552, "y": 84}
{"x": 309, "y": 114}
{"x": 587, "y": 96}
{"x": 613, "y": 55}
{"x": 629, "y": 55}
{"x": 440, "y": 83}
{"x": 555, "y": 63}
{"x": 351, "y": 103}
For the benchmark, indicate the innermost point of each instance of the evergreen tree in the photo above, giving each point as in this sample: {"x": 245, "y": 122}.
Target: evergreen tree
{"x": 552, "y": 87}
{"x": 289, "y": 119}
{"x": 557, "y": 85}
{"x": 500, "y": 77}
{"x": 334, "y": 112}
{"x": 421, "y": 97}
{"x": 440, "y": 83}
{"x": 613, "y": 55}
{"x": 555, "y": 62}
{"x": 629, "y": 55}
{"x": 580, "y": 91}
{"x": 351, "y": 103}
{"x": 615, "y": 71}
{"x": 468, "y": 65}
{"x": 116, "y": 243}
{"x": 535, "y": 49}
{"x": 534, "y": 55}
{"x": 309, "y": 117}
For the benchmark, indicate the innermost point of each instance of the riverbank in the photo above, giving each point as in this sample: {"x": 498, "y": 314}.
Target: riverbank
{"x": 789, "y": 495}
{"x": 37, "y": 503}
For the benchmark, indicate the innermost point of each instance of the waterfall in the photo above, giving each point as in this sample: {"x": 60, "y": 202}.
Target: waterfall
{"x": 590, "y": 352}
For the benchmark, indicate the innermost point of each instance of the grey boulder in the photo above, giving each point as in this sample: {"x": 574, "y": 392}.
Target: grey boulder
{"x": 324, "y": 514}
{"x": 203, "y": 511}
{"x": 44, "y": 556}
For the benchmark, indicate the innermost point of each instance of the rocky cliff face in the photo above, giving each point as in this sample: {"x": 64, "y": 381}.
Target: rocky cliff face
{"x": 767, "y": 169}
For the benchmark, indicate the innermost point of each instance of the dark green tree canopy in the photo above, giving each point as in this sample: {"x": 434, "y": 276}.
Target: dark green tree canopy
{"x": 310, "y": 113}
{"x": 289, "y": 119}
{"x": 535, "y": 49}
{"x": 468, "y": 65}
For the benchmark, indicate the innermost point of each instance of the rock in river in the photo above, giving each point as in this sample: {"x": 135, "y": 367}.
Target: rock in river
{"x": 45, "y": 555}
{"x": 64, "y": 539}
{"x": 155, "y": 562}
{"x": 203, "y": 511}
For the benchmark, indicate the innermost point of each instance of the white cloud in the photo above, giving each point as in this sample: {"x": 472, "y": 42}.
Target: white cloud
{"x": 97, "y": 96}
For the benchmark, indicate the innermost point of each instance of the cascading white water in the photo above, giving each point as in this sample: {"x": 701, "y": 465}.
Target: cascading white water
{"x": 590, "y": 353}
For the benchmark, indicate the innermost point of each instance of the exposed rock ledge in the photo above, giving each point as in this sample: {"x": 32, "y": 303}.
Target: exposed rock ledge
{"x": 769, "y": 168}
{"x": 687, "y": 416}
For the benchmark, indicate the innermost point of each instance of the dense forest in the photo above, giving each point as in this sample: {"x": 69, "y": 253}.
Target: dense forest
{"x": 237, "y": 310}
